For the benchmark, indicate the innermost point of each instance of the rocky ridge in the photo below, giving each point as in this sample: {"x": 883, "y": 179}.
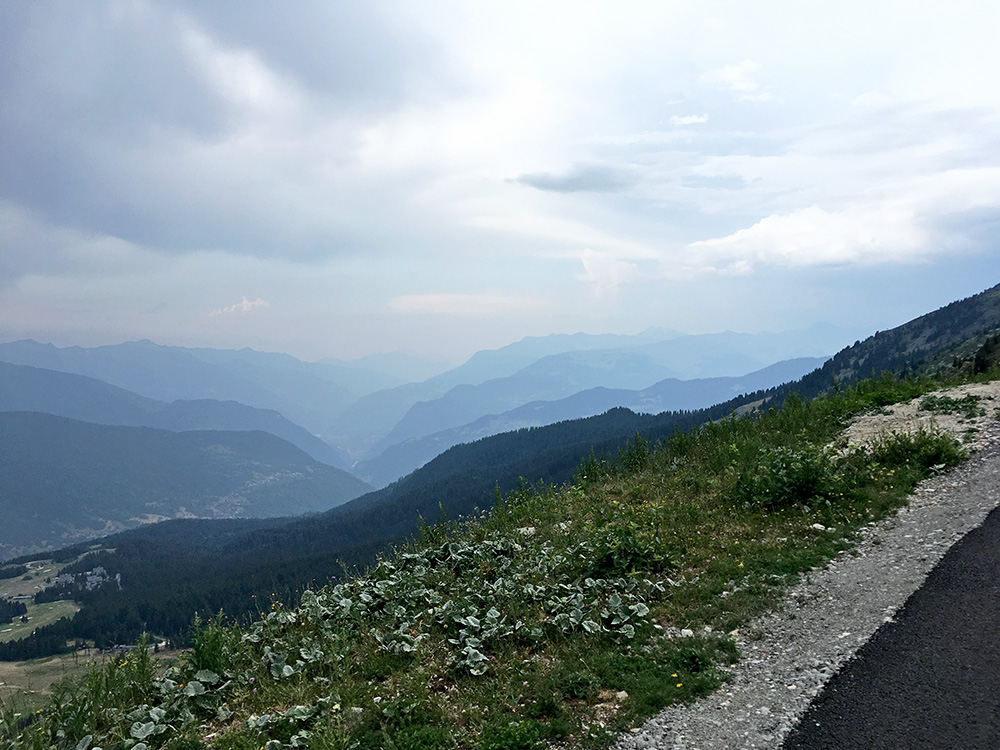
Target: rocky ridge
{"x": 788, "y": 655}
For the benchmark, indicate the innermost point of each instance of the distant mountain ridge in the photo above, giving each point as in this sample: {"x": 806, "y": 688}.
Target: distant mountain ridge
{"x": 310, "y": 394}
{"x": 668, "y": 395}
{"x": 26, "y": 388}
{"x": 354, "y": 406}
{"x": 63, "y": 480}
{"x": 373, "y": 416}
{"x": 455, "y": 398}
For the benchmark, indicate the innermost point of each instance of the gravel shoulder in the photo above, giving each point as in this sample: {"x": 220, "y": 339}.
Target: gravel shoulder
{"x": 788, "y": 655}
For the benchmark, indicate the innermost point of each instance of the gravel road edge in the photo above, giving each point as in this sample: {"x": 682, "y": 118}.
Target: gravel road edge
{"x": 788, "y": 655}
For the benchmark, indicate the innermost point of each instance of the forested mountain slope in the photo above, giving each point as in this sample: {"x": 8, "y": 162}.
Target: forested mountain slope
{"x": 246, "y": 564}
{"x": 64, "y": 480}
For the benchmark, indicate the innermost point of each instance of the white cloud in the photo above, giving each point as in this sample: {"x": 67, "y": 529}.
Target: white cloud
{"x": 242, "y": 307}
{"x": 738, "y": 78}
{"x": 812, "y": 236}
{"x": 465, "y": 305}
{"x": 238, "y": 74}
{"x": 564, "y": 232}
{"x": 873, "y": 100}
{"x": 234, "y": 159}
{"x": 680, "y": 121}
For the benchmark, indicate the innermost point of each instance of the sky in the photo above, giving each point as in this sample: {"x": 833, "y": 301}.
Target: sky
{"x": 334, "y": 179}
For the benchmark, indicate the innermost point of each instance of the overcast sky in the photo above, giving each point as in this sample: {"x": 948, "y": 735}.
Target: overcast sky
{"x": 332, "y": 179}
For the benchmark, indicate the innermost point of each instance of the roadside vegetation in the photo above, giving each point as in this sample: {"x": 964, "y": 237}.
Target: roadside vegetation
{"x": 563, "y": 615}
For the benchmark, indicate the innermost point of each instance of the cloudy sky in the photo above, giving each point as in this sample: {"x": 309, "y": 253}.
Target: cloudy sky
{"x": 332, "y": 179}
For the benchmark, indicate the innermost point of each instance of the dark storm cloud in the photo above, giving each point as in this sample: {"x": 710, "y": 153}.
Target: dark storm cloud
{"x": 349, "y": 51}
{"x": 597, "y": 178}
{"x": 106, "y": 107}
{"x": 74, "y": 70}
{"x": 77, "y": 85}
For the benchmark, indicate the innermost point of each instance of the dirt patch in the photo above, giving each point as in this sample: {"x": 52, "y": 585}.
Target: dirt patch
{"x": 950, "y": 410}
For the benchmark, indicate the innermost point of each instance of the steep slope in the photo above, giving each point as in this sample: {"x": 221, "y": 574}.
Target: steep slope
{"x": 63, "y": 480}
{"x": 916, "y": 346}
{"x": 64, "y": 394}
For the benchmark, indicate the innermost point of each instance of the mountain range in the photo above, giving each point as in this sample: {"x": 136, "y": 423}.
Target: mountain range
{"x": 470, "y": 406}
{"x": 359, "y": 410}
{"x": 555, "y": 367}
{"x": 172, "y": 569}
{"x": 403, "y": 455}
{"x": 90, "y": 400}
{"x": 307, "y": 393}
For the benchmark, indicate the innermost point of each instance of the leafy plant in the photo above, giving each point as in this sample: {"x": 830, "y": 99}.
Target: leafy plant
{"x": 967, "y": 406}
{"x": 926, "y": 451}
{"x": 784, "y": 476}
{"x": 510, "y": 733}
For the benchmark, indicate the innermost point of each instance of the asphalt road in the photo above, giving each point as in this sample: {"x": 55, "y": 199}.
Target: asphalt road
{"x": 931, "y": 677}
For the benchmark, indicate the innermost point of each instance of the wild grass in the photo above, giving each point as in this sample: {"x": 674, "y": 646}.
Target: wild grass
{"x": 564, "y": 614}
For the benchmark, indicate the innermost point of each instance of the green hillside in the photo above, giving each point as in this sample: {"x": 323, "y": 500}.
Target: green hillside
{"x": 523, "y": 625}
{"x": 65, "y": 481}
{"x": 177, "y": 568}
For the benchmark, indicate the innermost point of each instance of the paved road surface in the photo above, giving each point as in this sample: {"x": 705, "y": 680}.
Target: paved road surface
{"x": 930, "y": 679}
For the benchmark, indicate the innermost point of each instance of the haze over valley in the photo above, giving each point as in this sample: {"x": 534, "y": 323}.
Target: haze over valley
{"x": 113, "y": 452}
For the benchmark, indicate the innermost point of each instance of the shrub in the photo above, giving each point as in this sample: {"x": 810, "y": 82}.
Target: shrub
{"x": 785, "y": 476}
{"x": 968, "y": 407}
{"x": 927, "y": 451}
{"x": 618, "y": 550}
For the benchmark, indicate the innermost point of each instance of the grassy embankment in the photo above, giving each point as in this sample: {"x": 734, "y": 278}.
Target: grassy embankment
{"x": 38, "y": 616}
{"x": 555, "y": 617}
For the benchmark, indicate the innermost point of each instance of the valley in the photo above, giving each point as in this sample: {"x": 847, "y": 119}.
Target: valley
{"x": 472, "y": 376}
{"x": 157, "y": 577}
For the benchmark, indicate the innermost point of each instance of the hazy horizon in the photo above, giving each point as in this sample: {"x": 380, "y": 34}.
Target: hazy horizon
{"x": 830, "y": 330}
{"x": 335, "y": 180}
